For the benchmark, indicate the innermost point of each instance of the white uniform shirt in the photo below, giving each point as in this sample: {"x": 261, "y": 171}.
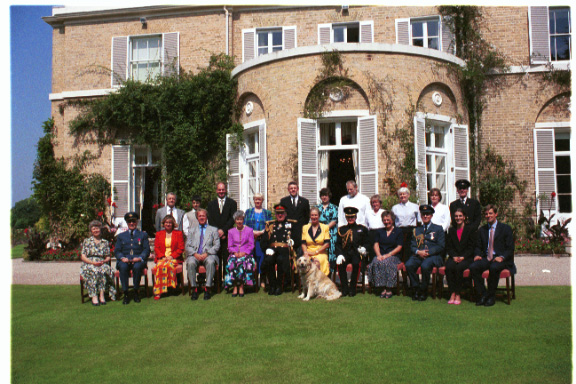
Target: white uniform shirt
{"x": 407, "y": 215}
{"x": 358, "y": 201}
{"x": 374, "y": 220}
{"x": 441, "y": 216}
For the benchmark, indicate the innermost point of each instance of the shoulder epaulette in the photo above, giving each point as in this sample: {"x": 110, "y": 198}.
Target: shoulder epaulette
{"x": 292, "y": 220}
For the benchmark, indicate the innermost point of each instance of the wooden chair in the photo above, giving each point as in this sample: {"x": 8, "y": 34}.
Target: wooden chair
{"x": 431, "y": 287}
{"x": 361, "y": 272}
{"x": 144, "y": 274}
{"x": 179, "y": 277}
{"x": 201, "y": 272}
{"x": 510, "y": 291}
{"x": 440, "y": 283}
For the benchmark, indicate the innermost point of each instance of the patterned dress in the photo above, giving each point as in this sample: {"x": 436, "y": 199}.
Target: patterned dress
{"x": 165, "y": 271}
{"x": 257, "y": 221}
{"x": 384, "y": 273}
{"x": 240, "y": 269}
{"x": 327, "y": 215}
{"x": 97, "y": 279}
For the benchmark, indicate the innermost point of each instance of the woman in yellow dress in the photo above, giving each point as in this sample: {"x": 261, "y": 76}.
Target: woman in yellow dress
{"x": 316, "y": 241}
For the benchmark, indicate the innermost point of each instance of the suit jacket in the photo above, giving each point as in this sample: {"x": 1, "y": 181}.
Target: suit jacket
{"x": 463, "y": 247}
{"x": 132, "y": 246}
{"x": 300, "y": 213}
{"x": 472, "y": 208}
{"x": 176, "y": 245}
{"x": 224, "y": 220}
{"x": 162, "y": 212}
{"x": 503, "y": 242}
{"x": 434, "y": 238}
{"x": 210, "y": 245}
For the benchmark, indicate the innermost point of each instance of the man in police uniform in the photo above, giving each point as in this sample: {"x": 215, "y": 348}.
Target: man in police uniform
{"x": 132, "y": 250}
{"x": 280, "y": 239}
{"x": 472, "y": 207}
{"x": 352, "y": 242}
{"x": 427, "y": 249}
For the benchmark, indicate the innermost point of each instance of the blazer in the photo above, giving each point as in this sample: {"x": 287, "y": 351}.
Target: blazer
{"x": 434, "y": 239}
{"x": 503, "y": 243}
{"x": 244, "y": 243}
{"x": 131, "y": 247}
{"x": 162, "y": 212}
{"x": 300, "y": 213}
{"x": 224, "y": 220}
{"x": 176, "y": 245}
{"x": 210, "y": 245}
{"x": 464, "y": 247}
{"x": 472, "y": 208}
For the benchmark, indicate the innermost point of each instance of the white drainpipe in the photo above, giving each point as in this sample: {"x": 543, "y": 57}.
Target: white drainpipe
{"x": 226, "y": 11}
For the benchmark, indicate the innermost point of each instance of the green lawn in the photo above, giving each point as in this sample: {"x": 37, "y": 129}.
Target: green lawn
{"x": 262, "y": 339}
{"x": 17, "y": 251}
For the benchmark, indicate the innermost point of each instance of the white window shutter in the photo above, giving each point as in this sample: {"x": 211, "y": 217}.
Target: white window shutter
{"x": 119, "y": 60}
{"x": 545, "y": 171}
{"x": 461, "y": 152}
{"x": 368, "y": 155}
{"x": 289, "y": 37}
{"x": 233, "y": 168}
{"x": 263, "y": 160}
{"x": 171, "y": 52}
{"x": 367, "y": 31}
{"x": 448, "y": 41}
{"x": 324, "y": 34}
{"x": 539, "y": 35}
{"x": 420, "y": 148}
{"x": 248, "y": 44}
{"x": 403, "y": 31}
{"x": 121, "y": 175}
{"x": 308, "y": 159}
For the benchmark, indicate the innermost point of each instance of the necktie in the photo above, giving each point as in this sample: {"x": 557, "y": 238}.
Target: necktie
{"x": 463, "y": 201}
{"x": 201, "y": 239}
{"x": 221, "y": 204}
{"x": 491, "y": 244}
{"x": 294, "y": 201}
{"x": 425, "y": 227}
{"x": 131, "y": 234}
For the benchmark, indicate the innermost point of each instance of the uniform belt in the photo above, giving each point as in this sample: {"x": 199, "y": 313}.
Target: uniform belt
{"x": 279, "y": 245}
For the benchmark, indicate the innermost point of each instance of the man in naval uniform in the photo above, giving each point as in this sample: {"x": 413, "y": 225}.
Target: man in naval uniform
{"x": 281, "y": 238}
{"x": 472, "y": 207}
{"x": 132, "y": 250}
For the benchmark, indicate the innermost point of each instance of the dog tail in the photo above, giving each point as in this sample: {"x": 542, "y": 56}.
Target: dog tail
{"x": 334, "y": 296}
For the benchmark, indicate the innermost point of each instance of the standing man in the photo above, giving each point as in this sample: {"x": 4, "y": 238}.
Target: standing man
{"x": 494, "y": 252}
{"x": 352, "y": 242}
{"x": 472, "y": 207}
{"x": 356, "y": 200}
{"x": 220, "y": 212}
{"x": 169, "y": 209}
{"x": 280, "y": 237}
{"x": 428, "y": 244}
{"x": 202, "y": 247}
{"x": 132, "y": 250}
{"x": 190, "y": 219}
{"x": 297, "y": 207}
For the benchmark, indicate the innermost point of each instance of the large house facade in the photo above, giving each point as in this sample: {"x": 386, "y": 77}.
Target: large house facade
{"x": 395, "y": 59}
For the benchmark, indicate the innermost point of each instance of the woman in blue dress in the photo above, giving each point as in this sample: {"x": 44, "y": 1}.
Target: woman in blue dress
{"x": 329, "y": 216}
{"x": 382, "y": 271}
{"x": 256, "y": 219}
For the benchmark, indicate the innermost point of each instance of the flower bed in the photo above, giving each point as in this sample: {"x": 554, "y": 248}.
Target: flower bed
{"x": 540, "y": 246}
{"x": 60, "y": 255}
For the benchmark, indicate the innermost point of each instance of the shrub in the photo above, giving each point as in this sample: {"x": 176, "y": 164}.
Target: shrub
{"x": 36, "y": 245}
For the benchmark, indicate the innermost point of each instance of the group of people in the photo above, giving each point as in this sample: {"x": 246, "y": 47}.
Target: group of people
{"x": 237, "y": 247}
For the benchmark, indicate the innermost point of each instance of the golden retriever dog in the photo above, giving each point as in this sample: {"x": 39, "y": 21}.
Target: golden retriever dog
{"x": 314, "y": 282}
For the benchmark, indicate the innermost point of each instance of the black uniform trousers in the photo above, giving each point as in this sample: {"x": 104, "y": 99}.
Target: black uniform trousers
{"x": 281, "y": 259}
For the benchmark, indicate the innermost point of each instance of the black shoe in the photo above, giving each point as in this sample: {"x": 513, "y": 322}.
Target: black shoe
{"x": 481, "y": 301}
{"x": 352, "y": 293}
{"x": 207, "y": 295}
{"x": 136, "y": 297}
{"x": 194, "y": 295}
{"x": 271, "y": 291}
{"x": 345, "y": 293}
{"x": 422, "y": 297}
{"x": 415, "y": 296}
{"x": 235, "y": 294}
{"x": 240, "y": 295}
{"x": 126, "y": 299}
{"x": 277, "y": 292}
{"x": 103, "y": 303}
{"x": 490, "y": 302}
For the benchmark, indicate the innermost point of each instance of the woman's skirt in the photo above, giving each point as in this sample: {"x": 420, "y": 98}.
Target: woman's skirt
{"x": 384, "y": 273}
{"x": 98, "y": 279}
{"x": 165, "y": 275}
{"x": 239, "y": 270}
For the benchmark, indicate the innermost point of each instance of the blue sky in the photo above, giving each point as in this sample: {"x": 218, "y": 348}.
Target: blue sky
{"x": 30, "y": 75}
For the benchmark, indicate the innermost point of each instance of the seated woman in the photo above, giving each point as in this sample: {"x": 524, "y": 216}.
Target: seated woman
{"x": 95, "y": 270}
{"x": 460, "y": 244}
{"x": 316, "y": 241}
{"x": 240, "y": 267}
{"x": 168, "y": 249}
{"x": 382, "y": 271}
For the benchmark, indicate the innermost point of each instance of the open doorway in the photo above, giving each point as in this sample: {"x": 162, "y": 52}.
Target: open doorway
{"x": 340, "y": 170}
{"x": 147, "y": 187}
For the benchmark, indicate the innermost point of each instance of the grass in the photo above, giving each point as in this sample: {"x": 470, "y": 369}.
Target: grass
{"x": 262, "y": 339}
{"x": 17, "y": 251}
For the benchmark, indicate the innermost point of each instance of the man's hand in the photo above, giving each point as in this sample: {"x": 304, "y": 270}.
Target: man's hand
{"x": 422, "y": 253}
{"x": 362, "y": 251}
{"x": 200, "y": 257}
{"x": 476, "y": 258}
{"x": 290, "y": 242}
{"x": 458, "y": 259}
{"x": 136, "y": 259}
{"x": 220, "y": 233}
{"x": 124, "y": 260}
{"x": 499, "y": 259}
{"x": 269, "y": 252}
{"x": 340, "y": 259}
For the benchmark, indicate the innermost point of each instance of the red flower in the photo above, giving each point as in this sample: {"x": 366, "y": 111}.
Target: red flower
{"x": 26, "y": 231}
{"x": 155, "y": 206}
{"x": 403, "y": 185}
{"x": 161, "y": 205}
{"x": 100, "y": 214}
{"x": 553, "y": 194}
{"x": 114, "y": 205}
{"x": 109, "y": 200}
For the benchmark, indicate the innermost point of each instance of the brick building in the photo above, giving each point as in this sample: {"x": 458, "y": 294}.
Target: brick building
{"x": 394, "y": 57}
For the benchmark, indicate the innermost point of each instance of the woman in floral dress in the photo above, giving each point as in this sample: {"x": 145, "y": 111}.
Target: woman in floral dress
{"x": 329, "y": 216}
{"x": 96, "y": 270}
{"x": 240, "y": 267}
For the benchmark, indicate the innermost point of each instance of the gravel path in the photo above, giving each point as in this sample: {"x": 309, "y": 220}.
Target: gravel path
{"x": 532, "y": 270}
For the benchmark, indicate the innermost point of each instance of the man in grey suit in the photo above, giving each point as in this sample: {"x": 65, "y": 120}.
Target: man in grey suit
{"x": 169, "y": 209}
{"x": 202, "y": 249}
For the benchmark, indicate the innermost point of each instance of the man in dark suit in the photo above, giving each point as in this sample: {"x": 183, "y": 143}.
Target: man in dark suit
{"x": 169, "y": 209}
{"x": 471, "y": 207}
{"x": 297, "y": 207}
{"x": 220, "y": 212}
{"x": 427, "y": 249}
{"x": 132, "y": 250}
{"x": 494, "y": 252}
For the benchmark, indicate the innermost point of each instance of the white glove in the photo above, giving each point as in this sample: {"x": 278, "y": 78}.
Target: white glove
{"x": 290, "y": 242}
{"x": 270, "y": 252}
{"x": 340, "y": 259}
{"x": 362, "y": 250}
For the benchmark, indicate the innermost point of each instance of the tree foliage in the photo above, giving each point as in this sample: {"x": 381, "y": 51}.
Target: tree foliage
{"x": 24, "y": 214}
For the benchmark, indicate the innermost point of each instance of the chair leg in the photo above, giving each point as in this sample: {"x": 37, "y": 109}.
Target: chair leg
{"x": 434, "y": 286}
{"x": 513, "y": 288}
{"x": 508, "y": 289}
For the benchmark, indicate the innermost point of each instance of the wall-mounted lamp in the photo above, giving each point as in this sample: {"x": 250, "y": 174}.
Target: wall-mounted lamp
{"x": 345, "y": 10}
{"x": 143, "y": 20}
